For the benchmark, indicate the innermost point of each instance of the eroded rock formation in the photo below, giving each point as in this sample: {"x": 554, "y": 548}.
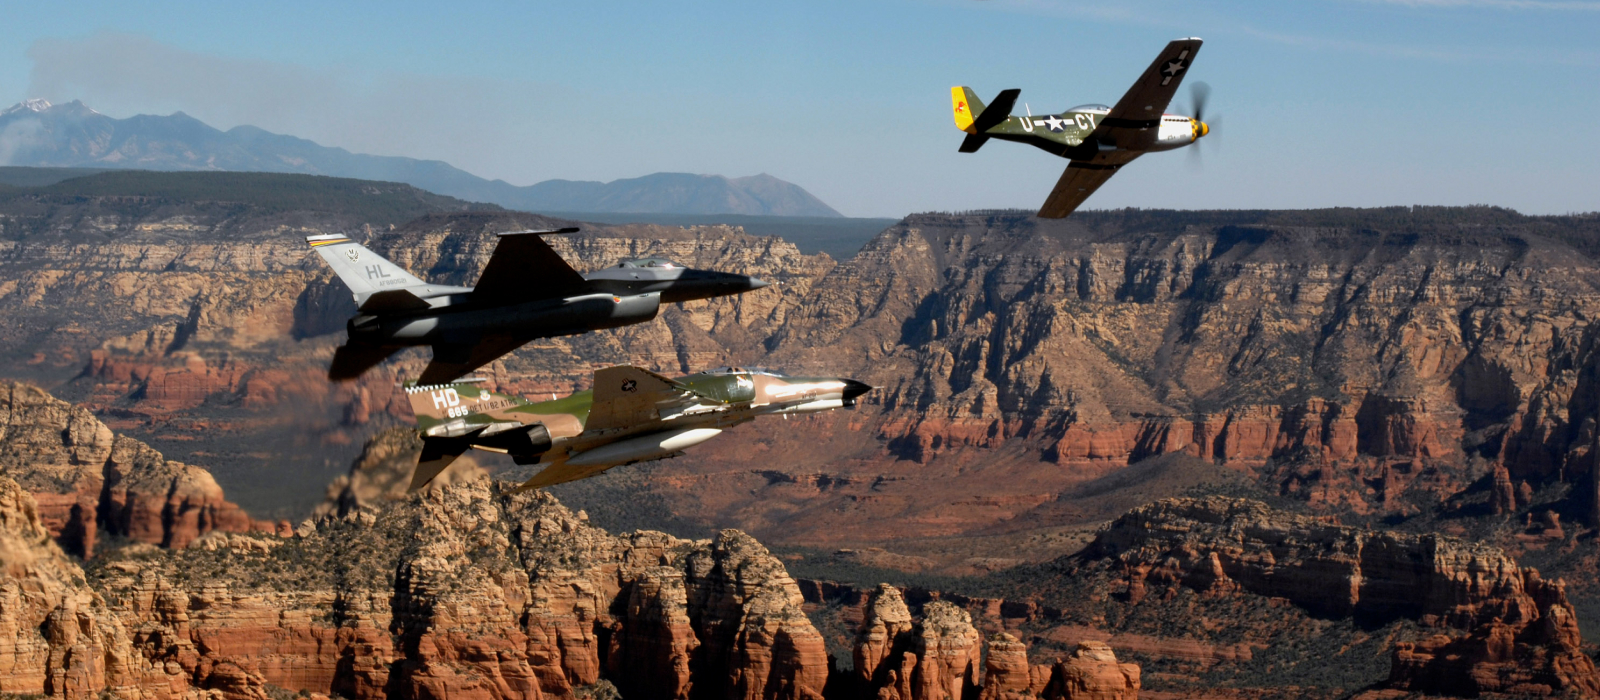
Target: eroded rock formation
{"x": 1502, "y": 627}
{"x": 462, "y": 591}
{"x": 88, "y": 480}
{"x": 1372, "y": 359}
{"x": 937, "y": 655}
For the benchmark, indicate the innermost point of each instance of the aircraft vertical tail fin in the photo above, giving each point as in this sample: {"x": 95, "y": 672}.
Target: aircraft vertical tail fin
{"x": 975, "y": 118}
{"x": 366, "y": 273}
{"x": 967, "y": 107}
{"x": 436, "y": 405}
{"x": 459, "y": 416}
{"x": 437, "y": 454}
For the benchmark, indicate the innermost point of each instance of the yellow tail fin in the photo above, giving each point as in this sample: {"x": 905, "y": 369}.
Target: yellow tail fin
{"x": 967, "y": 107}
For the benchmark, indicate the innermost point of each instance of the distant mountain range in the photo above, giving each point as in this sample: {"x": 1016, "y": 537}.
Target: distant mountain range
{"x": 38, "y": 133}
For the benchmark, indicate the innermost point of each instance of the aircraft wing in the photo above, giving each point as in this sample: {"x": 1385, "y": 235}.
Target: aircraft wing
{"x": 453, "y": 360}
{"x": 627, "y": 396}
{"x": 1138, "y": 114}
{"x": 525, "y": 268}
{"x": 1080, "y": 180}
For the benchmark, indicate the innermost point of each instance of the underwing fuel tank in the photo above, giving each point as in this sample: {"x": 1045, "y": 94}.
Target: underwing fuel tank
{"x": 643, "y": 447}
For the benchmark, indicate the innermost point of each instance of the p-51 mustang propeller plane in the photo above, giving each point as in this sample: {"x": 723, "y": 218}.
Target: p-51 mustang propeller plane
{"x": 525, "y": 292}
{"x": 1098, "y": 139}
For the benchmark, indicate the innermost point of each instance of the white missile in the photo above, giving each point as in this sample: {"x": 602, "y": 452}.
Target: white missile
{"x": 643, "y": 447}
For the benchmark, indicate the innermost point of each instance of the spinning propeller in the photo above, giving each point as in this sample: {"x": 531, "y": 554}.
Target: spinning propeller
{"x": 1199, "y": 94}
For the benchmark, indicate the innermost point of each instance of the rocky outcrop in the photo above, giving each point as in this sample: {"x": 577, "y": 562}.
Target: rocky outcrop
{"x": 936, "y": 658}
{"x": 459, "y": 591}
{"x": 1503, "y": 628}
{"x": 88, "y": 480}
{"x": 54, "y": 632}
{"x": 937, "y": 655}
{"x": 1092, "y": 673}
{"x": 1007, "y": 675}
{"x": 882, "y": 639}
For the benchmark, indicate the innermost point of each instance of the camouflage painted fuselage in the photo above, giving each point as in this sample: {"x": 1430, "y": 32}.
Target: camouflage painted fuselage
{"x": 631, "y": 415}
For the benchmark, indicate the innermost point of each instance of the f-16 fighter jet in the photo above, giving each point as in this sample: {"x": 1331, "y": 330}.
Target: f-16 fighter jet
{"x": 1098, "y": 139}
{"x": 526, "y": 291}
{"x": 631, "y": 415}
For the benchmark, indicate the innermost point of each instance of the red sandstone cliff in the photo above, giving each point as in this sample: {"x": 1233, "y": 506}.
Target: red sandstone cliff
{"x": 1360, "y": 359}
{"x": 88, "y": 480}
{"x": 460, "y": 592}
{"x": 937, "y": 655}
{"x": 1502, "y": 628}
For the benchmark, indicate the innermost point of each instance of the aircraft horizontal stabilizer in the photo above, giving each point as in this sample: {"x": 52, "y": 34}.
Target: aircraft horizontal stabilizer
{"x": 351, "y": 359}
{"x": 996, "y": 112}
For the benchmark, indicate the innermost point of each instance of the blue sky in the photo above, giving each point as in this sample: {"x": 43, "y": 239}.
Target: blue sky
{"x": 1321, "y": 102}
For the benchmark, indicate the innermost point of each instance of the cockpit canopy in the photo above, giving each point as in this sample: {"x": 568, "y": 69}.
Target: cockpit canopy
{"x": 745, "y": 370}
{"x": 650, "y": 262}
{"x": 1090, "y": 108}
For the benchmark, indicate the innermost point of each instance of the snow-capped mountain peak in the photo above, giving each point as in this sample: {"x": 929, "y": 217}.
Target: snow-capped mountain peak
{"x": 32, "y": 105}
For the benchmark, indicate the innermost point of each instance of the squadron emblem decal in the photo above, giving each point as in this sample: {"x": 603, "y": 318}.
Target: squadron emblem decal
{"x": 630, "y": 385}
{"x": 353, "y": 254}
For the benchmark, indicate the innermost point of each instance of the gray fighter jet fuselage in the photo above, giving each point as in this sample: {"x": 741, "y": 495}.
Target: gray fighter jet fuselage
{"x": 525, "y": 292}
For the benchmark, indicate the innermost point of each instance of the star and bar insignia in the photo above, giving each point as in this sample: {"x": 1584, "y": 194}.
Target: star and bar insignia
{"x": 1173, "y": 67}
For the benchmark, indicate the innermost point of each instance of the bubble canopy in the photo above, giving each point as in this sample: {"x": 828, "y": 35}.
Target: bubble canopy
{"x": 1090, "y": 108}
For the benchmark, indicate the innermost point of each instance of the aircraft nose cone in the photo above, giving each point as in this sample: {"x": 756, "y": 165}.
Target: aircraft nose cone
{"x": 757, "y": 283}
{"x": 1204, "y": 129}
{"x": 853, "y": 388}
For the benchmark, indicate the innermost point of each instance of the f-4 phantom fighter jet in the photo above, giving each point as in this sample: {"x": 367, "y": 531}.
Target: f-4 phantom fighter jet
{"x": 526, "y": 292}
{"x": 1098, "y": 139}
{"x": 631, "y": 415}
